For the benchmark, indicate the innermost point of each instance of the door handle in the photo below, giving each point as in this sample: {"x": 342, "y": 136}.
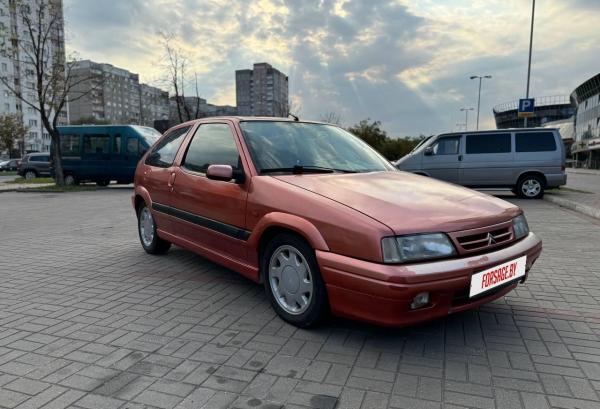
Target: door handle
{"x": 459, "y": 158}
{"x": 171, "y": 179}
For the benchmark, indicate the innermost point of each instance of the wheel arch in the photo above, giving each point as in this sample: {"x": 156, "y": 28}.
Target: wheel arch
{"x": 141, "y": 196}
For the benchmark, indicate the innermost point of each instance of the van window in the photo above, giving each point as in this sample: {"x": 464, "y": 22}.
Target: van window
{"x": 446, "y": 146}
{"x": 165, "y": 151}
{"x": 535, "y": 142}
{"x": 117, "y": 143}
{"x": 213, "y": 144}
{"x": 69, "y": 145}
{"x": 488, "y": 143}
{"x": 132, "y": 146}
{"x": 96, "y": 143}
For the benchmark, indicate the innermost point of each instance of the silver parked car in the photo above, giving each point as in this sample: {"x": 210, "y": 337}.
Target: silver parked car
{"x": 524, "y": 160}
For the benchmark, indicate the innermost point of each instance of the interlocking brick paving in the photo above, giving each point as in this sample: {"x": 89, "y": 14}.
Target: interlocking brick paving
{"x": 88, "y": 320}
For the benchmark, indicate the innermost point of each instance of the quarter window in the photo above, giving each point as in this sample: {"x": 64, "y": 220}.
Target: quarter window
{"x": 446, "y": 146}
{"x": 213, "y": 144}
{"x": 164, "y": 153}
{"x": 96, "y": 143}
{"x": 488, "y": 143}
{"x": 535, "y": 142}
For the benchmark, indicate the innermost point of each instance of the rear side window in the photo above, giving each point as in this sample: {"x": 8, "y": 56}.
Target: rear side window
{"x": 213, "y": 144}
{"x": 488, "y": 143}
{"x": 164, "y": 153}
{"x": 96, "y": 143}
{"x": 39, "y": 159}
{"x": 69, "y": 145}
{"x": 535, "y": 142}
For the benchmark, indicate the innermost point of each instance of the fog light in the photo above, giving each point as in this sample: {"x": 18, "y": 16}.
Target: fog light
{"x": 420, "y": 300}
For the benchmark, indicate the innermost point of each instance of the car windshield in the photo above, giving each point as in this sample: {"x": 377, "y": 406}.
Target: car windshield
{"x": 288, "y": 146}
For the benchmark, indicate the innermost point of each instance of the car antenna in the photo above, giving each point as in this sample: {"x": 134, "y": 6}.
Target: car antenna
{"x": 296, "y": 119}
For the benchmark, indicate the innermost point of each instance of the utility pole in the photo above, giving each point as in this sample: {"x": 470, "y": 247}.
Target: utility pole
{"x": 466, "y": 110}
{"x": 530, "y": 47}
{"x": 479, "y": 95}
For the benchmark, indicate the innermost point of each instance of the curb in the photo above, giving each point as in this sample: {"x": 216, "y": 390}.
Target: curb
{"x": 569, "y": 204}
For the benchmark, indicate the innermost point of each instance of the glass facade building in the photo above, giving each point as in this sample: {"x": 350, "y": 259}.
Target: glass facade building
{"x": 547, "y": 109}
{"x": 586, "y": 99}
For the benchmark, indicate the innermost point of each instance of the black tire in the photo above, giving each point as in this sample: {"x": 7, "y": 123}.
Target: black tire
{"x": 317, "y": 305}
{"x": 71, "y": 182}
{"x": 156, "y": 245}
{"x": 530, "y": 187}
{"x": 103, "y": 182}
{"x": 30, "y": 172}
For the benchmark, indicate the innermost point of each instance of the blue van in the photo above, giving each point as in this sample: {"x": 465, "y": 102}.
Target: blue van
{"x": 102, "y": 153}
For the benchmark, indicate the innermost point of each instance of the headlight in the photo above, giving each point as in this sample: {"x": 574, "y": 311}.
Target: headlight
{"x": 403, "y": 249}
{"x": 520, "y": 226}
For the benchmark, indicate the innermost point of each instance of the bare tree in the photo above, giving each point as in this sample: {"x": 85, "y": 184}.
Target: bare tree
{"x": 39, "y": 57}
{"x": 331, "y": 118}
{"x": 175, "y": 67}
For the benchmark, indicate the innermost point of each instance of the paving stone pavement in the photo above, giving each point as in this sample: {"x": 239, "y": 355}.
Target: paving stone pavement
{"x": 88, "y": 320}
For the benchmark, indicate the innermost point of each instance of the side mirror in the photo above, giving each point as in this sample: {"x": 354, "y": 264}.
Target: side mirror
{"x": 223, "y": 173}
{"x": 428, "y": 151}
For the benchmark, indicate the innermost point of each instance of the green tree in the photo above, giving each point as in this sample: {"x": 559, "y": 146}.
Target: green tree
{"x": 391, "y": 148}
{"x": 12, "y": 130}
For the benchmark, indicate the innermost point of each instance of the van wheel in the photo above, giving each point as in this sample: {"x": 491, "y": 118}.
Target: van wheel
{"x": 151, "y": 243}
{"x": 103, "y": 182}
{"x": 293, "y": 282}
{"x": 71, "y": 180}
{"x": 530, "y": 187}
{"x": 30, "y": 174}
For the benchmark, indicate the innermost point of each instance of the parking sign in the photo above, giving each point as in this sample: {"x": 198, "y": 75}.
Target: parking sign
{"x": 526, "y": 106}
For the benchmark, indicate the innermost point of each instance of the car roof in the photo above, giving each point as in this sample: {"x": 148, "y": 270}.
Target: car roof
{"x": 250, "y": 119}
{"x": 499, "y": 131}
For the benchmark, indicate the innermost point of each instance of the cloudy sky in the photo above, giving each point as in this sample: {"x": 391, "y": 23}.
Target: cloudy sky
{"x": 403, "y": 62}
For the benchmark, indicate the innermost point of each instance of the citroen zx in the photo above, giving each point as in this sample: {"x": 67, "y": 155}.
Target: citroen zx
{"x": 326, "y": 223}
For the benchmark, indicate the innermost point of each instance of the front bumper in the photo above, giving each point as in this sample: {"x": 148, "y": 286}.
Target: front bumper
{"x": 381, "y": 293}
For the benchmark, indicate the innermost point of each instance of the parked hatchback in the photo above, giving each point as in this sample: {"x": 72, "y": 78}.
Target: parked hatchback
{"x": 34, "y": 165}
{"x": 326, "y": 223}
{"x": 524, "y": 160}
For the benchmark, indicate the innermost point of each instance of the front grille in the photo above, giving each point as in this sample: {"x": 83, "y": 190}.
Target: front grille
{"x": 483, "y": 238}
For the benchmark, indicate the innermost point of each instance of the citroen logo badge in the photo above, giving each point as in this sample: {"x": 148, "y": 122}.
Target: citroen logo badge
{"x": 491, "y": 239}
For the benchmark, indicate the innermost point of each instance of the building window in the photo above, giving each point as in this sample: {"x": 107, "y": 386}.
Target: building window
{"x": 4, "y": 67}
{"x": 33, "y": 122}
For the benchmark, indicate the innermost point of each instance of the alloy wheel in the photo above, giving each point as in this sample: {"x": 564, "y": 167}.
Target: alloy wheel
{"x": 291, "y": 280}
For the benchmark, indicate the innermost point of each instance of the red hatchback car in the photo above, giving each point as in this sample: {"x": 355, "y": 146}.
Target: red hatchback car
{"x": 326, "y": 223}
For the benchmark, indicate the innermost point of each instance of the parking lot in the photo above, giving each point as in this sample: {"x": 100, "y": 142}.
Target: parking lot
{"x": 88, "y": 320}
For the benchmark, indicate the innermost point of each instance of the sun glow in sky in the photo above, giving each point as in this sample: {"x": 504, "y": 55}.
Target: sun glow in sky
{"x": 406, "y": 63}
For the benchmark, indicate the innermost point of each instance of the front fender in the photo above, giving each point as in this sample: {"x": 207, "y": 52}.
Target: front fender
{"x": 291, "y": 222}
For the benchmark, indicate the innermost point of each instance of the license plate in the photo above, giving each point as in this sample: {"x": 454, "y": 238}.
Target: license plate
{"x": 496, "y": 276}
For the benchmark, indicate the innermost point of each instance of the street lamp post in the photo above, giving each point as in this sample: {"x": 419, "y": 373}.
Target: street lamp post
{"x": 466, "y": 117}
{"x": 530, "y": 47}
{"x": 479, "y": 94}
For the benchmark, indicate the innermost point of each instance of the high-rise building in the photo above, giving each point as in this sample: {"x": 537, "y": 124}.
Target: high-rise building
{"x": 154, "y": 105}
{"x": 106, "y": 92}
{"x": 262, "y": 91}
{"x": 18, "y": 67}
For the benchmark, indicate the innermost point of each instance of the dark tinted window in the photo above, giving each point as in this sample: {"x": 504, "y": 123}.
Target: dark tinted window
{"x": 213, "y": 144}
{"x": 117, "y": 143}
{"x": 488, "y": 143}
{"x": 96, "y": 143}
{"x": 446, "y": 146}
{"x": 132, "y": 146}
{"x": 70, "y": 145}
{"x": 39, "y": 159}
{"x": 535, "y": 142}
{"x": 165, "y": 151}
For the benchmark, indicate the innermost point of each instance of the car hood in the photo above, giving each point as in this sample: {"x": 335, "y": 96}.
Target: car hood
{"x": 408, "y": 203}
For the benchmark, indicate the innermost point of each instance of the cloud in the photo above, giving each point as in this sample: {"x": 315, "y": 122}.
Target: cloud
{"x": 403, "y": 62}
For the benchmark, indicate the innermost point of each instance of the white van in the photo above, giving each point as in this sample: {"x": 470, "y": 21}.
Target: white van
{"x": 524, "y": 160}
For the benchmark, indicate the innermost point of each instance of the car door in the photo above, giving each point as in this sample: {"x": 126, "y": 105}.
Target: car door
{"x": 96, "y": 154}
{"x": 159, "y": 174}
{"x": 488, "y": 159}
{"x": 208, "y": 212}
{"x": 441, "y": 160}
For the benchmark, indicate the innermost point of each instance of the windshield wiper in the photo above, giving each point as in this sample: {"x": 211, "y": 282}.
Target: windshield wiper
{"x": 300, "y": 169}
